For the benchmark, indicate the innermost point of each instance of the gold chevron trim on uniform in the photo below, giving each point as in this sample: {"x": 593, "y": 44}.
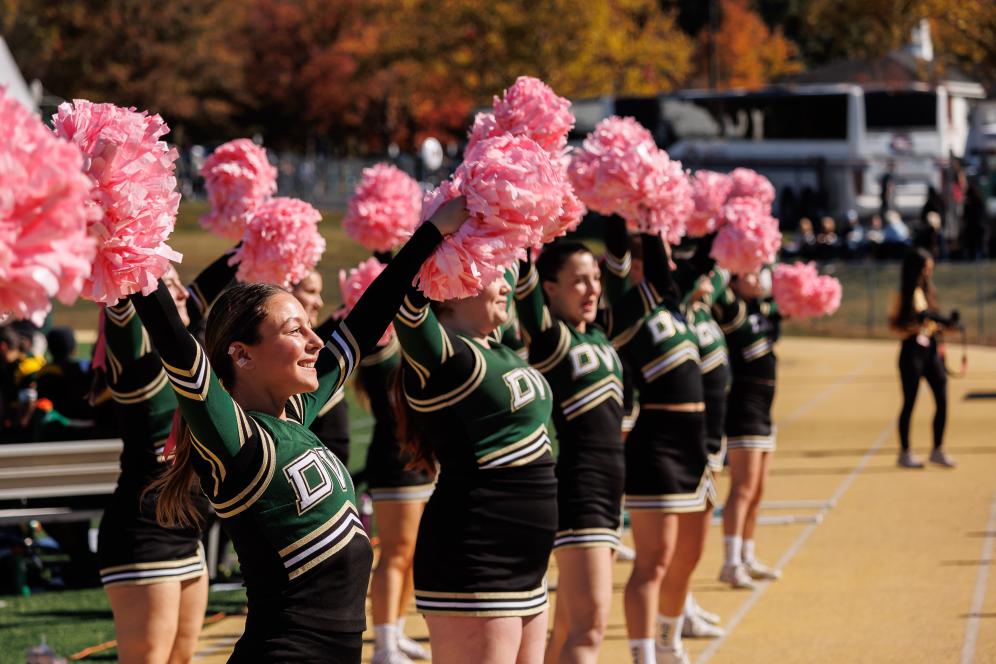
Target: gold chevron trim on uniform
{"x": 520, "y": 594}
{"x": 147, "y": 391}
{"x": 710, "y": 361}
{"x": 454, "y": 396}
{"x": 333, "y": 401}
{"x": 411, "y": 315}
{"x": 244, "y": 425}
{"x": 217, "y": 468}
{"x": 624, "y": 337}
{"x": 389, "y": 349}
{"x": 527, "y": 283}
{"x": 559, "y": 352}
{"x": 684, "y": 352}
{"x": 317, "y": 532}
{"x": 165, "y": 564}
{"x": 197, "y": 297}
{"x": 609, "y": 387}
{"x": 738, "y": 320}
{"x": 420, "y": 371}
{"x": 347, "y": 334}
{"x": 260, "y": 482}
{"x": 355, "y": 530}
{"x": 619, "y": 266}
{"x": 294, "y": 410}
{"x": 759, "y": 348}
{"x": 540, "y": 435}
{"x": 189, "y": 373}
{"x": 120, "y": 316}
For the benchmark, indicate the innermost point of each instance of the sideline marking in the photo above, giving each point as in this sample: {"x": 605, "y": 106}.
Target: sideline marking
{"x": 842, "y": 488}
{"x": 979, "y": 596}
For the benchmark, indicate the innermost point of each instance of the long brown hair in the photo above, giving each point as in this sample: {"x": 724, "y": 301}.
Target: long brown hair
{"x": 235, "y": 316}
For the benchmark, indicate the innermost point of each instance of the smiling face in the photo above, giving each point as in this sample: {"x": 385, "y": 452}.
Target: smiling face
{"x": 282, "y": 362}
{"x": 748, "y": 286}
{"x": 483, "y": 313}
{"x": 308, "y": 292}
{"x": 574, "y": 295}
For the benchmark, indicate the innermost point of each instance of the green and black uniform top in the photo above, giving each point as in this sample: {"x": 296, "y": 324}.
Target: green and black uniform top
{"x": 287, "y": 503}
{"x": 144, "y": 405}
{"x": 647, "y": 327}
{"x": 616, "y": 264}
{"x": 713, "y": 352}
{"x": 332, "y": 424}
{"x": 482, "y": 406}
{"x": 582, "y": 368}
{"x": 751, "y": 329}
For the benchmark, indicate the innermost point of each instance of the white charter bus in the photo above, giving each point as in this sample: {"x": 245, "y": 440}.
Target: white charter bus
{"x": 824, "y": 147}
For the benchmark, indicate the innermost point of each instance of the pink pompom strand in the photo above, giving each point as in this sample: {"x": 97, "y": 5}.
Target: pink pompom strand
{"x": 354, "y": 284}
{"x": 620, "y": 170}
{"x": 709, "y": 192}
{"x": 801, "y": 292}
{"x": 385, "y": 209}
{"x": 530, "y": 107}
{"x": 514, "y": 193}
{"x": 748, "y": 183}
{"x": 45, "y": 251}
{"x": 134, "y": 190}
{"x": 748, "y": 237}
{"x": 281, "y": 244}
{"x": 238, "y": 177}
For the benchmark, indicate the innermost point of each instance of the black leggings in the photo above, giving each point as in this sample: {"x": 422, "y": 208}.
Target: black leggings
{"x": 916, "y": 362}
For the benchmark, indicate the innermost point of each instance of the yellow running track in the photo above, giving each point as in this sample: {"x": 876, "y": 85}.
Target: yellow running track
{"x": 879, "y": 564}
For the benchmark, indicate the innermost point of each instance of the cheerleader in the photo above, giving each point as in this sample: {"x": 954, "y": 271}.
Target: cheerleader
{"x": 332, "y": 424}
{"x": 475, "y": 407}
{"x": 585, "y": 375}
{"x": 914, "y": 316}
{"x": 155, "y": 577}
{"x": 668, "y": 483}
{"x": 287, "y": 503}
{"x": 750, "y": 324}
{"x": 399, "y": 495}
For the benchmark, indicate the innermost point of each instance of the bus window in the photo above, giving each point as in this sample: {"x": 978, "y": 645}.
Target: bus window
{"x": 900, "y": 110}
{"x": 777, "y": 116}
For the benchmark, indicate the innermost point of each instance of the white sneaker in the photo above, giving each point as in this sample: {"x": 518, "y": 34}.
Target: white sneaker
{"x": 390, "y": 657}
{"x": 625, "y": 553}
{"x": 736, "y": 576}
{"x": 696, "y": 627}
{"x": 940, "y": 458}
{"x": 411, "y": 648}
{"x": 761, "y": 572}
{"x": 672, "y": 656}
{"x": 707, "y": 616}
{"x": 907, "y": 460}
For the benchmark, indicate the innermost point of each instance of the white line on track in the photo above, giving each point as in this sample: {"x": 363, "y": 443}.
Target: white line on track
{"x": 821, "y": 396}
{"x": 979, "y": 596}
{"x": 756, "y": 595}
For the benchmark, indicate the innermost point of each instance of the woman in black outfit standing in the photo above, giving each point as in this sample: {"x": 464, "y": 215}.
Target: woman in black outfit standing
{"x": 915, "y": 317}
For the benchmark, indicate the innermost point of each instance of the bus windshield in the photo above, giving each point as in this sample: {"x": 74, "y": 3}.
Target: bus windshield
{"x": 760, "y": 117}
{"x": 886, "y": 110}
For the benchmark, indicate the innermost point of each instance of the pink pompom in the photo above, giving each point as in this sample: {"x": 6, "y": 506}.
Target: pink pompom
{"x": 385, "y": 208}
{"x": 45, "y": 251}
{"x": 281, "y": 244}
{"x": 709, "y": 191}
{"x": 354, "y": 284}
{"x": 801, "y": 292}
{"x": 620, "y": 170}
{"x": 237, "y": 177}
{"x": 530, "y": 107}
{"x": 748, "y": 183}
{"x": 748, "y": 237}
{"x": 514, "y": 193}
{"x": 133, "y": 189}
{"x": 485, "y": 126}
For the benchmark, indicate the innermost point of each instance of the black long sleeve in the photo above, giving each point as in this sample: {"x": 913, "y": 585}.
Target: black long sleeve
{"x": 656, "y": 269}
{"x": 699, "y": 263}
{"x": 207, "y": 286}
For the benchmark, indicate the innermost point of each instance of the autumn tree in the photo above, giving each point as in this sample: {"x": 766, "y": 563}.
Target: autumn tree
{"x": 178, "y": 58}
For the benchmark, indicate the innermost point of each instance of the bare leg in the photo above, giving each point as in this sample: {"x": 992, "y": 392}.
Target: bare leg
{"x": 397, "y": 526}
{"x": 585, "y": 588}
{"x": 655, "y": 536}
{"x": 458, "y": 640}
{"x": 145, "y": 620}
{"x": 193, "y": 604}
{"x": 687, "y": 553}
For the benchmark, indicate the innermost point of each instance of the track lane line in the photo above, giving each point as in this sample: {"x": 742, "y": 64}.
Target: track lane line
{"x": 979, "y": 595}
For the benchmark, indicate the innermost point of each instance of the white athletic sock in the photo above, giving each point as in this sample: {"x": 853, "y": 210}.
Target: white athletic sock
{"x": 669, "y": 631}
{"x": 386, "y": 637}
{"x": 734, "y": 546}
{"x": 691, "y": 607}
{"x": 643, "y": 651}
{"x": 748, "y": 551}
{"x": 401, "y": 626}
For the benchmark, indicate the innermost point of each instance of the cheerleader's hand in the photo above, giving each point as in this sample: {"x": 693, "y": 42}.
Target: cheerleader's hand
{"x": 450, "y": 215}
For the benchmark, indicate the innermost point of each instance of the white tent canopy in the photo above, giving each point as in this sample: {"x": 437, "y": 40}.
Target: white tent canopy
{"x": 10, "y": 77}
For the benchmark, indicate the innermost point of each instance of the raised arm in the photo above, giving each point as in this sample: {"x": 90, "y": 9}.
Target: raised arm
{"x": 207, "y": 286}
{"x": 615, "y": 278}
{"x": 699, "y": 264}
{"x": 657, "y": 266}
{"x": 425, "y": 344}
{"x": 534, "y": 315}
